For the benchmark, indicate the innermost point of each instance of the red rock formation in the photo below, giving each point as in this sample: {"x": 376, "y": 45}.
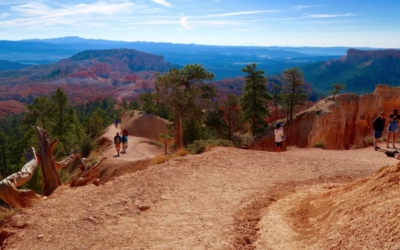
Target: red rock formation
{"x": 337, "y": 124}
{"x": 130, "y": 78}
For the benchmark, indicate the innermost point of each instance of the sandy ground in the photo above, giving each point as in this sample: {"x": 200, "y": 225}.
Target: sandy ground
{"x": 226, "y": 198}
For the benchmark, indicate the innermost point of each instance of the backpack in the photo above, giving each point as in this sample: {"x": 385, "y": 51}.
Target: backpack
{"x": 284, "y": 136}
{"x": 117, "y": 139}
{"x": 391, "y": 153}
{"x": 124, "y": 138}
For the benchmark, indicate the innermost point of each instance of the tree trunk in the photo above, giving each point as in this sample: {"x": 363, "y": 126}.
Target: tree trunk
{"x": 50, "y": 178}
{"x": 8, "y": 187}
{"x": 178, "y": 135}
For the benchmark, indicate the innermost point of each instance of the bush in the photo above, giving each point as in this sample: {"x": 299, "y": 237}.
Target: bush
{"x": 368, "y": 141}
{"x": 319, "y": 144}
{"x": 200, "y": 146}
{"x": 243, "y": 140}
{"x": 86, "y": 147}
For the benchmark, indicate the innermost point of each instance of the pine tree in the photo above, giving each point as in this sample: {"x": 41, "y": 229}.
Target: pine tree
{"x": 184, "y": 92}
{"x": 294, "y": 92}
{"x": 255, "y": 98}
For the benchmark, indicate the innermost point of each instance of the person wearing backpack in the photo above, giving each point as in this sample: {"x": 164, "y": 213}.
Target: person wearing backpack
{"x": 378, "y": 125}
{"x": 279, "y": 137}
{"x": 125, "y": 132}
{"x": 117, "y": 143}
{"x": 124, "y": 143}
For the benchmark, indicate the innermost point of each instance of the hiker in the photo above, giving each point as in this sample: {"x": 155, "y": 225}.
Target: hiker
{"x": 378, "y": 126}
{"x": 278, "y": 137}
{"x": 116, "y": 123}
{"x": 124, "y": 140}
{"x": 393, "y": 127}
{"x": 117, "y": 143}
{"x": 125, "y": 132}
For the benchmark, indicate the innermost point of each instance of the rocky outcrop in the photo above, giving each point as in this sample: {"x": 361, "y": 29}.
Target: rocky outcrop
{"x": 354, "y": 55}
{"x": 335, "y": 124}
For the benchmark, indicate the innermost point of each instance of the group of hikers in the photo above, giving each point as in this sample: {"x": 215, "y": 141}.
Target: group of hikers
{"x": 378, "y": 127}
{"x": 118, "y": 140}
{"x": 392, "y": 129}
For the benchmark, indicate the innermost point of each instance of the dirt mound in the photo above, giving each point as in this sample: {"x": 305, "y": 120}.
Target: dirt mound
{"x": 363, "y": 214}
{"x": 143, "y": 125}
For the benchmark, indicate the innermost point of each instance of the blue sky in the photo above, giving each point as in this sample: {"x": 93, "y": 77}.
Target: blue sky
{"x": 366, "y": 23}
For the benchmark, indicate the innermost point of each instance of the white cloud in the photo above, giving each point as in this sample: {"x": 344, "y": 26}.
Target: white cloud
{"x": 163, "y": 3}
{"x": 3, "y": 15}
{"x": 183, "y": 23}
{"x": 81, "y": 15}
{"x": 12, "y": 2}
{"x": 300, "y": 7}
{"x": 242, "y": 13}
{"x": 149, "y": 11}
{"x": 330, "y": 15}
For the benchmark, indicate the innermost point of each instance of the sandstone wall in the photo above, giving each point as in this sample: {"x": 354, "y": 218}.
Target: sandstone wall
{"x": 338, "y": 124}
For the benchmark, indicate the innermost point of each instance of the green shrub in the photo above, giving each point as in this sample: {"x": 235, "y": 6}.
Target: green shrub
{"x": 319, "y": 144}
{"x": 243, "y": 140}
{"x": 86, "y": 147}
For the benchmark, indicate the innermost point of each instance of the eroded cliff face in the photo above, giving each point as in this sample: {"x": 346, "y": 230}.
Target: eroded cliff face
{"x": 337, "y": 124}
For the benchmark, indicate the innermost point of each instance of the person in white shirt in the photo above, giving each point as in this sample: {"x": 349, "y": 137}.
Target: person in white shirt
{"x": 278, "y": 137}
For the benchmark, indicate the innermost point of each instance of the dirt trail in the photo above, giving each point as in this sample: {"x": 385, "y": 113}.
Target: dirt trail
{"x": 210, "y": 201}
{"x": 138, "y": 147}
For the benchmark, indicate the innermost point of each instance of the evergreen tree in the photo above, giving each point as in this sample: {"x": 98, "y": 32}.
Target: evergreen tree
{"x": 226, "y": 119}
{"x": 255, "y": 98}
{"x": 276, "y": 97}
{"x": 63, "y": 116}
{"x": 337, "y": 87}
{"x": 184, "y": 92}
{"x": 148, "y": 104}
{"x": 40, "y": 112}
{"x": 94, "y": 125}
{"x": 294, "y": 92}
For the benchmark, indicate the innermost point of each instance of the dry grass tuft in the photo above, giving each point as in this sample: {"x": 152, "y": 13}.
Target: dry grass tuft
{"x": 363, "y": 143}
{"x": 5, "y": 213}
{"x": 160, "y": 159}
{"x": 319, "y": 144}
{"x": 181, "y": 152}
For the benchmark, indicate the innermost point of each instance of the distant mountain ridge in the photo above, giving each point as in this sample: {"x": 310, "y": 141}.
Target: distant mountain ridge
{"x": 224, "y": 61}
{"x": 110, "y": 65}
{"x": 359, "y": 70}
{"x": 7, "y": 65}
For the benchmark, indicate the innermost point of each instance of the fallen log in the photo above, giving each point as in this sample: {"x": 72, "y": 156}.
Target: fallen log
{"x": 89, "y": 175}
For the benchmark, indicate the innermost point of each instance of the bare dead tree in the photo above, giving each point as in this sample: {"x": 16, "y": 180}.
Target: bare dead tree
{"x": 8, "y": 186}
